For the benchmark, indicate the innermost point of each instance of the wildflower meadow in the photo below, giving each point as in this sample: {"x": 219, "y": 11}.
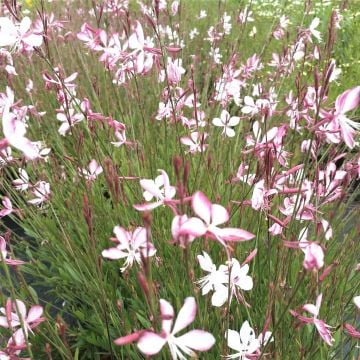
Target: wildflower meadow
{"x": 179, "y": 179}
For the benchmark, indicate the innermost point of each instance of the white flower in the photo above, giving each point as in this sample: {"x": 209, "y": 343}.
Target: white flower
{"x": 215, "y": 278}
{"x": 22, "y": 183}
{"x": 245, "y": 341}
{"x": 316, "y": 33}
{"x": 41, "y": 192}
{"x": 14, "y": 34}
{"x": 202, "y": 14}
{"x": 92, "y": 172}
{"x": 227, "y": 122}
{"x": 215, "y": 54}
{"x": 219, "y": 281}
{"x": 194, "y": 32}
{"x": 132, "y": 246}
{"x": 253, "y": 32}
{"x": 196, "y": 142}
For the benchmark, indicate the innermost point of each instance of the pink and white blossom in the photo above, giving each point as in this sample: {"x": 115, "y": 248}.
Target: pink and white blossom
{"x": 210, "y": 216}
{"x": 132, "y": 246}
{"x": 92, "y": 172}
{"x": 14, "y": 314}
{"x": 321, "y": 327}
{"x": 158, "y": 189}
{"x": 150, "y": 343}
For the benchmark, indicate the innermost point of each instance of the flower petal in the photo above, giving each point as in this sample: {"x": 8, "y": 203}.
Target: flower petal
{"x": 150, "y": 343}
{"x": 167, "y": 314}
{"x": 233, "y": 340}
{"x": 219, "y": 215}
{"x": 186, "y": 315}
{"x": 234, "y": 234}
{"x": 201, "y": 206}
{"x": 198, "y": 340}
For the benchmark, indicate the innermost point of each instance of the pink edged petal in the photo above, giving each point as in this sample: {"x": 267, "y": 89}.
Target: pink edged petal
{"x": 235, "y": 234}
{"x": 201, "y": 206}
{"x": 139, "y": 237}
{"x": 166, "y": 183}
{"x": 194, "y": 227}
{"x": 219, "y": 214}
{"x": 348, "y": 100}
{"x": 128, "y": 338}
{"x": 186, "y": 315}
{"x": 33, "y": 40}
{"x": 21, "y": 307}
{"x": 311, "y": 308}
{"x": 13, "y": 262}
{"x": 150, "y": 343}
{"x": 167, "y": 315}
{"x": 3, "y": 322}
{"x": 318, "y": 302}
{"x": 352, "y": 331}
{"x": 198, "y": 340}
{"x": 113, "y": 253}
{"x": 148, "y": 207}
{"x": 5, "y": 212}
{"x": 176, "y": 223}
{"x": 121, "y": 235}
{"x": 2, "y": 244}
{"x": 35, "y": 313}
{"x": 324, "y": 332}
{"x": 347, "y": 133}
{"x": 19, "y": 337}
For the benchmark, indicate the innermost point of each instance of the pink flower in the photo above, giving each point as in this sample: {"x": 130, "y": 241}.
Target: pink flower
{"x": 8, "y": 209}
{"x": 314, "y": 254}
{"x": 347, "y": 101}
{"x": 92, "y": 172}
{"x": 196, "y": 142}
{"x": 5, "y": 254}
{"x": 321, "y": 327}
{"x": 177, "y": 236}
{"x": 14, "y": 313}
{"x": 14, "y": 130}
{"x": 132, "y": 246}
{"x": 151, "y": 343}
{"x": 174, "y": 70}
{"x": 41, "y": 192}
{"x": 160, "y": 189}
{"x": 18, "y": 34}
{"x": 352, "y": 331}
{"x": 260, "y": 197}
{"x": 5, "y": 156}
{"x": 209, "y": 217}
{"x": 22, "y": 183}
